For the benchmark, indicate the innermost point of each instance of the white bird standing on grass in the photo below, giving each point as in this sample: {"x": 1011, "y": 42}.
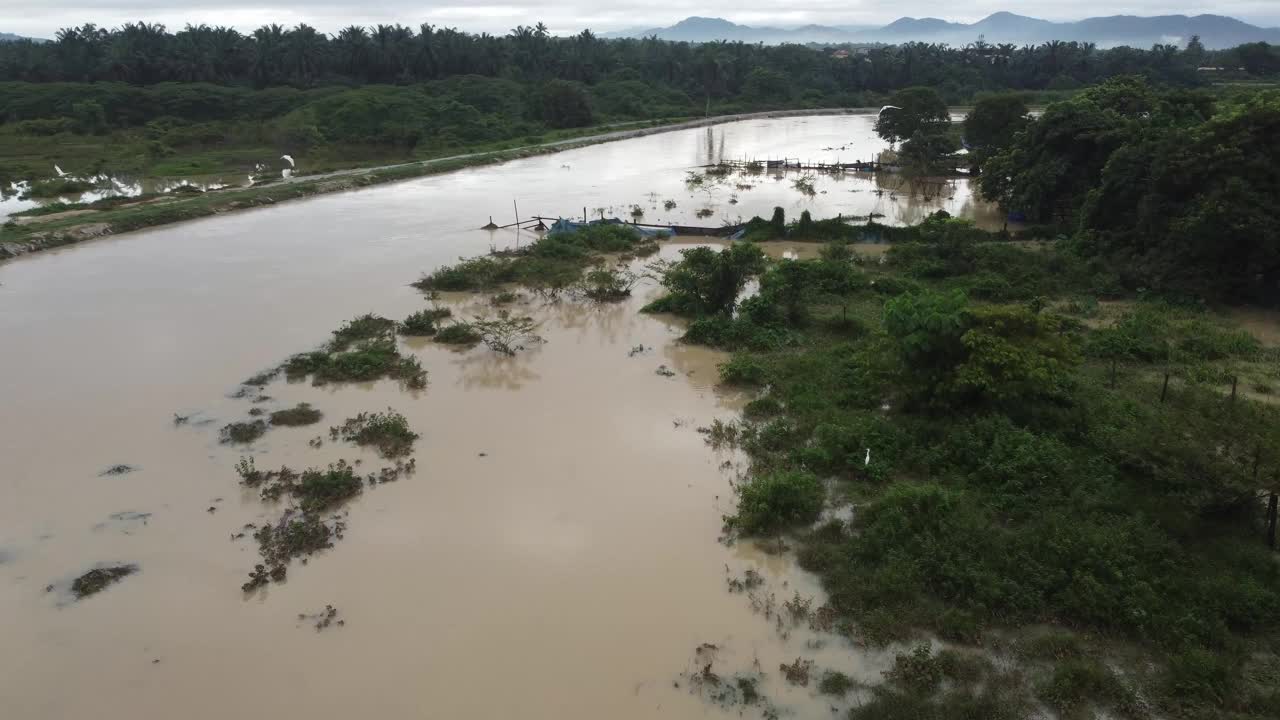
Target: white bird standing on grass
{"x": 867, "y": 461}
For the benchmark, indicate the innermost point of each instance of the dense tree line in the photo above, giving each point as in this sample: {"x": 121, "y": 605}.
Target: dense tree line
{"x": 301, "y": 56}
{"x": 1178, "y": 189}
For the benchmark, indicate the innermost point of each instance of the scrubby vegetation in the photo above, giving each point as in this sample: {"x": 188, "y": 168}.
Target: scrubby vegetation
{"x": 423, "y": 322}
{"x": 1016, "y": 457}
{"x": 458, "y": 333}
{"x": 243, "y": 432}
{"x": 362, "y": 350}
{"x": 300, "y": 414}
{"x": 388, "y": 432}
{"x": 553, "y": 263}
{"x": 97, "y": 579}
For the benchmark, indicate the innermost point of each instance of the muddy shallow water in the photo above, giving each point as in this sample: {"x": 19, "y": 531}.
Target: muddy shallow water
{"x": 568, "y": 572}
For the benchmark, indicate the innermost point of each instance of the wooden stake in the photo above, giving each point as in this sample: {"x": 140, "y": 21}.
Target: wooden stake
{"x": 1164, "y": 390}
{"x": 1271, "y": 521}
{"x": 1234, "y": 379}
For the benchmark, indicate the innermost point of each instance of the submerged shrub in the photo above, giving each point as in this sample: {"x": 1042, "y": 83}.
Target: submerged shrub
{"x": 369, "y": 360}
{"x": 243, "y": 432}
{"x": 301, "y": 414}
{"x": 97, "y": 579}
{"x": 365, "y": 327}
{"x": 423, "y": 322}
{"x": 743, "y": 370}
{"x": 319, "y": 490}
{"x": 475, "y": 274}
{"x": 459, "y": 333}
{"x": 774, "y": 501}
{"x": 389, "y": 432}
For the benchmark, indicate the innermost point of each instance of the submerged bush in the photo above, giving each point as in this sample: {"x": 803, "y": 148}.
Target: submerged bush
{"x": 743, "y": 370}
{"x": 301, "y": 414}
{"x": 423, "y": 322}
{"x": 370, "y": 360}
{"x": 319, "y": 490}
{"x": 243, "y": 432}
{"x": 458, "y": 333}
{"x": 774, "y": 501}
{"x": 365, "y": 327}
{"x": 388, "y": 432}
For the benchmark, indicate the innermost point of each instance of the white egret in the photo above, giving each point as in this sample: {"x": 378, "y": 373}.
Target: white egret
{"x": 867, "y": 461}
{"x": 59, "y": 171}
{"x": 290, "y": 159}
{"x": 887, "y": 107}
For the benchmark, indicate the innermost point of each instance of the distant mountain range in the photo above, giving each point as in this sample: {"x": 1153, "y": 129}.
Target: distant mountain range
{"x": 10, "y": 37}
{"x": 1215, "y": 31}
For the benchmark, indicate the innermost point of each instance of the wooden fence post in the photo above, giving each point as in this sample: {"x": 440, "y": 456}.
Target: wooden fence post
{"x": 1234, "y": 380}
{"x": 1271, "y": 521}
{"x": 1164, "y": 390}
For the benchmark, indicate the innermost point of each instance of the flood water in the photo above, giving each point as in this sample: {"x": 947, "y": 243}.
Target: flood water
{"x": 555, "y": 555}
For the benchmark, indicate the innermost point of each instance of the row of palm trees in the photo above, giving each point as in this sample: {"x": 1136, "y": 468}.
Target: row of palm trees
{"x": 273, "y": 55}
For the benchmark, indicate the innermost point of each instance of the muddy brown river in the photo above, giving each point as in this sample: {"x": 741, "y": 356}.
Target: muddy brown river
{"x": 555, "y": 555}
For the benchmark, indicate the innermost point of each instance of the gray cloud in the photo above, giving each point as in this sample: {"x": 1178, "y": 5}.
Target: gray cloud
{"x": 42, "y": 18}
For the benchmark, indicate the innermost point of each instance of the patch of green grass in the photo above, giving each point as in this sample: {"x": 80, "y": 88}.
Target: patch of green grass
{"x": 59, "y": 186}
{"x": 1077, "y": 683}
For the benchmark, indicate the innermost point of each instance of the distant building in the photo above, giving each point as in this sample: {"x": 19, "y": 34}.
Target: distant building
{"x": 841, "y": 54}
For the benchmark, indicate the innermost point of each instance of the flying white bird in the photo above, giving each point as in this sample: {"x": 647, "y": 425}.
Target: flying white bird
{"x": 887, "y": 107}
{"x": 59, "y": 171}
{"x": 290, "y": 159}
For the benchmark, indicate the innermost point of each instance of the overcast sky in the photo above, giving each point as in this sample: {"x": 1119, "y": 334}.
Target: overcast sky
{"x": 42, "y": 18}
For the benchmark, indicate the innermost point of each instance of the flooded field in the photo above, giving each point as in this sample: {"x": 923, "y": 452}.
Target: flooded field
{"x": 555, "y": 554}
{"x": 15, "y": 198}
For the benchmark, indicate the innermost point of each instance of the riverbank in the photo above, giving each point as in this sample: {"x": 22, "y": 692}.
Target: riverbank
{"x": 60, "y": 229}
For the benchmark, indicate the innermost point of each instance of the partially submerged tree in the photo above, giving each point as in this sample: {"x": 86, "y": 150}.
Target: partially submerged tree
{"x": 910, "y": 111}
{"x": 706, "y": 281}
{"x": 506, "y": 334}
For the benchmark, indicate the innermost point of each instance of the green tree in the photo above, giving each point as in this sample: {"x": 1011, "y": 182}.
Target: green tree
{"x": 562, "y": 104}
{"x": 949, "y": 355}
{"x": 707, "y": 281}
{"x": 90, "y": 117}
{"x": 1049, "y": 169}
{"x": 912, "y": 110}
{"x": 767, "y": 86}
{"x": 993, "y": 123}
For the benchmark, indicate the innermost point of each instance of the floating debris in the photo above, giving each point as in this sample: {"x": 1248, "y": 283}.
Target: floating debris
{"x": 117, "y": 470}
{"x": 323, "y": 619}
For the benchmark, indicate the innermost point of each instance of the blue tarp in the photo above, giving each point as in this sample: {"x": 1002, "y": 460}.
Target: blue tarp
{"x": 563, "y": 226}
